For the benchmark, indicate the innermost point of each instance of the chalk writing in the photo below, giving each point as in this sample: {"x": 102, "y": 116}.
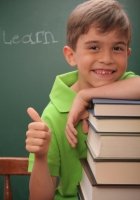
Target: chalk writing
{"x": 40, "y": 37}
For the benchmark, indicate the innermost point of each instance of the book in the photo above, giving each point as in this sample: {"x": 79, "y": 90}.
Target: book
{"x": 113, "y": 145}
{"x": 89, "y": 189}
{"x": 109, "y": 124}
{"x": 115, "y": 171}
{"x": 116, "y": 107}
{"x": 80, "y": 194}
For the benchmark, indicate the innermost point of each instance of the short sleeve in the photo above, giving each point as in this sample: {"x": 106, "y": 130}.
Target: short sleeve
{"x": 128, "y": 74}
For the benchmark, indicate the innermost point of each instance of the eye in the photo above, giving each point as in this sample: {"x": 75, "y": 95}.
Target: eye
{"x": 118, "y": 48}
{"x": 94, "y": 48}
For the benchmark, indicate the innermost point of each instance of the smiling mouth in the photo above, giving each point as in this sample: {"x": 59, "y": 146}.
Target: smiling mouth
{"x": 104, "y": 71}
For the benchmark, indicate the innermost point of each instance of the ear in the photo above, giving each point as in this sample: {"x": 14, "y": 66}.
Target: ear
{"x": 69, "y": 55}
{"x": 129, "y": 51}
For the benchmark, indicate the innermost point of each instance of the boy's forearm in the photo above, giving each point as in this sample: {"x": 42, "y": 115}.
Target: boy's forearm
{"x": 41, "y": 183}
{"x": 122, "y": 89}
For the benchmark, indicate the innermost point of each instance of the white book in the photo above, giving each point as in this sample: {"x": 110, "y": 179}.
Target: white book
{"x": 113, "y": 145}
{"x": 116, "y": 107}
{"x": 115, "y": 171}
{"x": 90, "y": 190}
{"x": 114, "y": 124}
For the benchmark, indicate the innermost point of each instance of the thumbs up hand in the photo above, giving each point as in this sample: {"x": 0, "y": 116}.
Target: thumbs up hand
{"x": 38, "y": 135}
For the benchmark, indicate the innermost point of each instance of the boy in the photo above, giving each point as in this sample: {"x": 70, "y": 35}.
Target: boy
{"x": 98, "y": 37}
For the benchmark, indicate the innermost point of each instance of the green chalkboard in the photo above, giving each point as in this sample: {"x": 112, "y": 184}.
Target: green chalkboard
{"x": 132, "y": 8}
{"x": 32, "y": 35}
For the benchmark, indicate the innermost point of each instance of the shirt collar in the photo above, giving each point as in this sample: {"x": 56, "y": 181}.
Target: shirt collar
{"x": 61, "y": 94}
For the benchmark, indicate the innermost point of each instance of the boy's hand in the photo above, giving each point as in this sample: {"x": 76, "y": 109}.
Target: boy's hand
{"x": 78, "y": 112}
{"x": 38, "y": 135}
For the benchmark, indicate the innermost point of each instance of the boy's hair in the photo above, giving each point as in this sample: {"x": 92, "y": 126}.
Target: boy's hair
{"x": 106, "y": 15}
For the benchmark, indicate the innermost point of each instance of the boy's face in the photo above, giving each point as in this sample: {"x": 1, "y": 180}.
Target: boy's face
{"x": 101, "y": 58}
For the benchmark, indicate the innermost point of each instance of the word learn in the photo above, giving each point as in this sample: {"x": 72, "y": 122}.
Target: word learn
{"x": 40, "y": 37}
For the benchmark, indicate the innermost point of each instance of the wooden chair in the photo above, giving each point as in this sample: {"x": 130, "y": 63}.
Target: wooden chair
{"x": 12, "y": 166}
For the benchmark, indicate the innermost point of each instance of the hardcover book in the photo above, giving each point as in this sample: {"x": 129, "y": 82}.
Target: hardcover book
{"x": 115, "y": 171}
{"x": 113, "y": 145}
{"x": 89, "y": 189}
{"x": 116, "y": 107}
{"x": 115, "y": 124}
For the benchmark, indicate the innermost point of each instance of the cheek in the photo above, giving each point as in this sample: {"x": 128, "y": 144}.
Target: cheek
{"x": 82, "y": 63}
{"x": 86, "y": 62}
{"x": 122, "y": 63}
{"x": 124, "y": 66}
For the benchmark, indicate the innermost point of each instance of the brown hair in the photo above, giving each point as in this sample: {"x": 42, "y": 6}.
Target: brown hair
{"x": 106, "y": 15}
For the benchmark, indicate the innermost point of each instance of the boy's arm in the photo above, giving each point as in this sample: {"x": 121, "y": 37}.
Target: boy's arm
{"x": 122, "y": 89}
{"x": 42, "y": 185}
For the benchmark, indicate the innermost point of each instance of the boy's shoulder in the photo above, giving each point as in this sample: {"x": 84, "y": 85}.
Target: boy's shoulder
{"x": 61, "y": 95}
{"x": 128, "y": 74}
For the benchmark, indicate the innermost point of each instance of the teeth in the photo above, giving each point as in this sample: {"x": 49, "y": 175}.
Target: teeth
{"x": 103, "y": 72}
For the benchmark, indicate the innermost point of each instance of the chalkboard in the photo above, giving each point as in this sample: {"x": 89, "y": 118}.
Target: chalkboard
{"x": 32, "y": 35}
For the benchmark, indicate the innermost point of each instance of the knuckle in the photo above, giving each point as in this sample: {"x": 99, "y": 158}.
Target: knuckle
{"x": 27, "y": 133}
{"x": 30, "y": 125}
{"x": 44, "y": 134}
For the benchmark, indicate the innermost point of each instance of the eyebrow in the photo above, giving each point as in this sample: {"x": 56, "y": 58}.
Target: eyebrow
{"x": 96, "y": 42}
{"x": 91, "y": 42}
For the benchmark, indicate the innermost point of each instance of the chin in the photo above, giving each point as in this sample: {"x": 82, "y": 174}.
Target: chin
{"x": 102, "y": 83}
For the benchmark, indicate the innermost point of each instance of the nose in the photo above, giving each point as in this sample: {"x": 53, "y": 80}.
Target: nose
{"x": 106, "y": 57}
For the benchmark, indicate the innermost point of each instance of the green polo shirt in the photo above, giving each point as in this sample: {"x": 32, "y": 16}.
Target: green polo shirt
{"x": 63, "y": 160}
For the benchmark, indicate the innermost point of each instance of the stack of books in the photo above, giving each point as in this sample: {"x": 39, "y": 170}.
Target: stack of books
{"x": 112, "y": 168}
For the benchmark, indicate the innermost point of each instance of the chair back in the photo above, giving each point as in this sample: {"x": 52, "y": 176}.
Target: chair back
{"x": 10, "y": 166}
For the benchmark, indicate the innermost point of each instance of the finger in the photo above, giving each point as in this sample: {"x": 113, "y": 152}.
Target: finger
{"x": 84, "y": 115}
{"x": 71, "y": 141}
{"x": 85, "y": 126}
{"x": 31, "y": 149}
{"x": 34, "y": 114}
{"x": 42, "y": 126}
{"x": 34, "y": 134}
{"x": 71, "y": 136}
{"x": 71, "y": 129}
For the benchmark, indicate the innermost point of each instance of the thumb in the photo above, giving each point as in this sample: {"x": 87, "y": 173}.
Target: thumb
{"x": 34, "y": 114}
